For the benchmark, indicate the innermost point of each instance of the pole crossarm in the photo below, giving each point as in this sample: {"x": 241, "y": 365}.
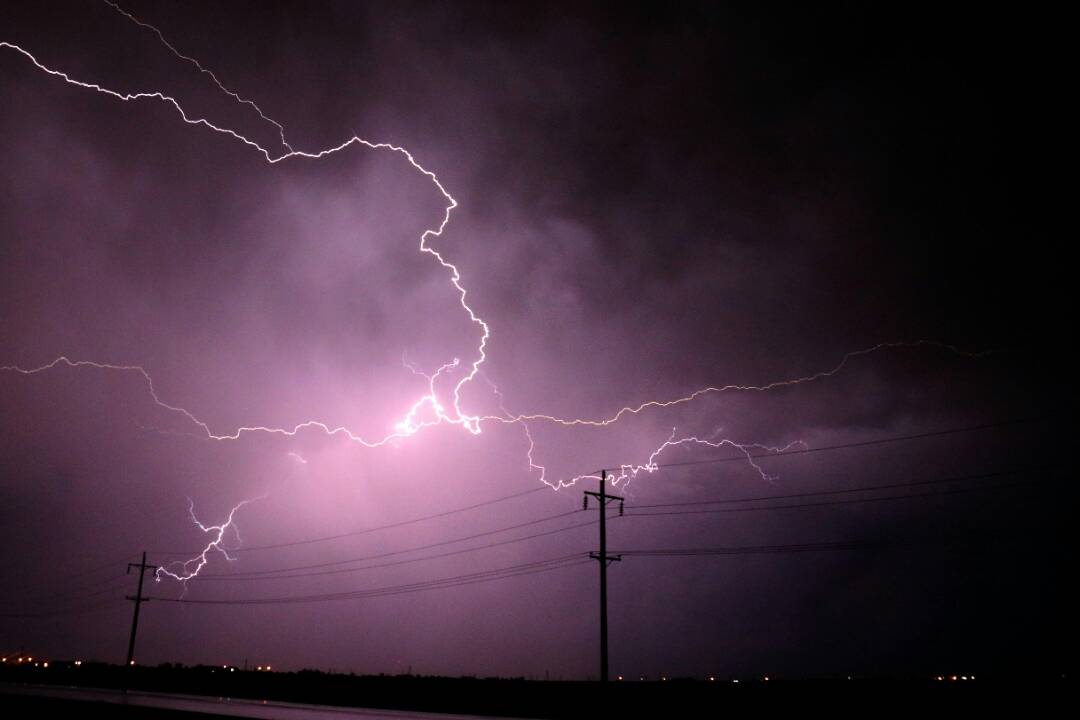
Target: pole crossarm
{"x": 603, "y": 560}
{"x": 138, "y": 599}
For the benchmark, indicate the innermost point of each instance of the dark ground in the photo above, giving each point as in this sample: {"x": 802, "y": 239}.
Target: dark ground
{"x": 536, "y": 699}
{"x": 22, "y": 706}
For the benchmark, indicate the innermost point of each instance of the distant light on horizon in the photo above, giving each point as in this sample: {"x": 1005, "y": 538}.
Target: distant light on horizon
{"x": 290, "y": 334}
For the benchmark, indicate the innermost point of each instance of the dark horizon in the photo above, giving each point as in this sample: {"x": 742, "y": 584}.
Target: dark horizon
{"x": 797, "y": 258}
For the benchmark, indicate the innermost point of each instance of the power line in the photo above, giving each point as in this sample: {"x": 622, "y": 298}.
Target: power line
{"x": 105, "y": 566}
{"x": 288, "y": 573}
{"x": 366, "y": 531}
{"x": 809, "y": 547}
{"x": 321, "y": 569}
{"x": 392, "y": 553}
{"x": 844, "y": 491}
{"x": 440, "y": 583}
{"x": 83, "y": 573}
{"x": 846, "y": 501}
{"x": 493, "y": 501}
{"x": 78, "y": 610}
{"x": 72, "y": 596}
{"x": 575, "y": 559}
{"x": 844, "y": 446}
{"x": 77, "y": 590}
{"x": 398, "y": 562}
{"x": 754, "y": 549}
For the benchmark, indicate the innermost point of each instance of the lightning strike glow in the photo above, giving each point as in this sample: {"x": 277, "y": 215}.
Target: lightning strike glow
{"x": 187, "y": 569}
{"x": 432, "y": 408}
{"x": 626, "y": 473}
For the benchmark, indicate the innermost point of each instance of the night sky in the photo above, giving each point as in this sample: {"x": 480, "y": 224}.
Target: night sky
{"x": 651, "y": 200}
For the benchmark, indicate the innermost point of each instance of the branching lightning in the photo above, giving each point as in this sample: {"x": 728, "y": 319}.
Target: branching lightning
{"x": 432, "y": 407}
{"x": 203, "y": 70}
{"x": 187, "y": 569}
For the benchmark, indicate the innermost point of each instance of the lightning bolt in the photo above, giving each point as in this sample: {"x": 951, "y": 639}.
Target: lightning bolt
{"x": 775, "y": 385}
{"x": 432, "y": 407}
{"x": 409, "y": 425}
{"x": 184, "y": 570}
{"x": 626, "y": 473}
{"x": 203, "y": 70}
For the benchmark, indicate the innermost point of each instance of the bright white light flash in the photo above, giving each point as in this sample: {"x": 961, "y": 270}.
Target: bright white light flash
{"x": 187, "y": 569}
{"x": 434, "y": 407}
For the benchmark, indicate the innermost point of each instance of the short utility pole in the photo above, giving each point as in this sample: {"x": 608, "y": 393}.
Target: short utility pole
{"x": 604, "y": 559}
{"x": 138, "y": 599}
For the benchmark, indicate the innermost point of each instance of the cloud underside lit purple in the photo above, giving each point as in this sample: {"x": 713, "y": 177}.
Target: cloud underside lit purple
{"x": 635, "y": 215}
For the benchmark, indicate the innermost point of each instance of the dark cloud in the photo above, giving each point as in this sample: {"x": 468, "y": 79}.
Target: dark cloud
{"x": 651, "y": 201}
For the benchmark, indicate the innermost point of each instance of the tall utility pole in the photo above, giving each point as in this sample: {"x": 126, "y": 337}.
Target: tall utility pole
{"x": 604, "y": 559}
{"x": 138, "y": 599}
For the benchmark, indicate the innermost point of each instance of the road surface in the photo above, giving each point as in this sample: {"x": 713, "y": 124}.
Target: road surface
{"x": 232, "y": 707}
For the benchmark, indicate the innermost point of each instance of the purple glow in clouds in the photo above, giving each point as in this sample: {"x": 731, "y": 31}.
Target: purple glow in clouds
{"x": 615, "y": 216}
